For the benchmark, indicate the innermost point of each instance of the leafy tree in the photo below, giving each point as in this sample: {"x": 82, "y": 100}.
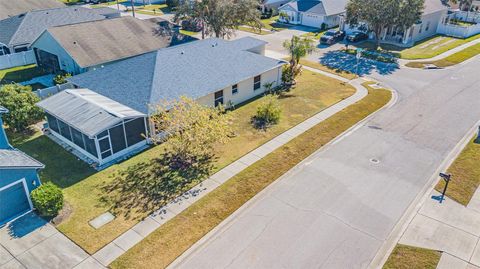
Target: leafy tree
{"x": 20, "y": 101}
{"x": 380, "y": 14}
{"x": 268, "y": 113}
{"x": 297, "y": 47}
{"x": 220, "y": 17}
{"x": 190, "y": 130}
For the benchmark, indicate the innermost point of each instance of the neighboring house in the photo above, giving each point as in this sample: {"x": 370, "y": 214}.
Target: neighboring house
{"x": 17, "y": 33}
{"x": 78, "y": 48}
{"x": 273, "y": 4}
{"x": 433, "y": 15}
{"x": 9, "y": 8}
{"x": 319, "y": 14}
{"x": 18, "y": 177}
{"x": 212, "y": 71}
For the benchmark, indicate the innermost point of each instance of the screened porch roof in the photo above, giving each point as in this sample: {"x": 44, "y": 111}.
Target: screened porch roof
{"x": 87, "y": 111}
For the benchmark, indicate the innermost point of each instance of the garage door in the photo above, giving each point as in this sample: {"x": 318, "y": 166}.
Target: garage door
{"x": 13, "y": 202}
{"x": 311, "y": 20}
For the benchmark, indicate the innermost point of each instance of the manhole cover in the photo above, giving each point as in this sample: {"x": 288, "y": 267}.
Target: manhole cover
{"x": 373, "y": 160}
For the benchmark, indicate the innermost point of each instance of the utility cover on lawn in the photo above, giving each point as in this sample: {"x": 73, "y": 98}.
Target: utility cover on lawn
{"x": 101, "y": 220}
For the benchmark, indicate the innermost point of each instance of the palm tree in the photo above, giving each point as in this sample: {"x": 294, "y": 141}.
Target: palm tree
{"x": 297, "y": 47}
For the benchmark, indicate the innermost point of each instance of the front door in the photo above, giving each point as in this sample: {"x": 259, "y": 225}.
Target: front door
{"x": 219, "y": 98}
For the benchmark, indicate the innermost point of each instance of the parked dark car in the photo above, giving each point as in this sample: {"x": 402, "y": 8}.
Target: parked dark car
{"x": 356, "y": 37}
{"x": 332, "y": 36}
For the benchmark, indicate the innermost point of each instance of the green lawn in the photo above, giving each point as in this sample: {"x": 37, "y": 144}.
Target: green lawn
{"x": 453, "y": 59}
{"x": 434, "y": 46}
{"x": 465, "y": 175}
{"x": 190, "y": 33}
{"x": 407, "y": 257}
{"x": 20, "y": 73}
{"x": 84, "y": 189}
{"x": 252, "y": 30}
{"x": 325, "y": 68}
{"x": 165, "y": 244}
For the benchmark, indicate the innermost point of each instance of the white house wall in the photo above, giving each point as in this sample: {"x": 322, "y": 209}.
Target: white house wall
{"x": 432, "y": 21}
{"x": 245, "y": 89}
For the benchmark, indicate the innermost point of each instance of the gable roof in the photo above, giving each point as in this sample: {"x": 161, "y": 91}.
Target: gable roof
{"x": 319, "y": 7}
{"x": 14, "y": 159}
{"x": 23, "y": 29}
{"x": 432, "y": 6}
{"x": 95, "y": 43}
{"x": 87, "y": 111}
{"x": 194, "y": 69}
{"x": 10, "y": 8}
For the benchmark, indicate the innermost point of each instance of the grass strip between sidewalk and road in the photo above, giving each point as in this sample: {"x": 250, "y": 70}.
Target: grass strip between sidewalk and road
{"x": 453, "y": 59}
{"x": 173, "y": 238}
{"x": 465, "y": 173}
{"x": 408, "y": 257}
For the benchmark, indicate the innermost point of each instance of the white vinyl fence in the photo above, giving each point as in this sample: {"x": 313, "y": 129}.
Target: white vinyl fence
{"x": 17, "y": 59}
{"x": 47, "y": 92}
{"x": 458, "y": 31}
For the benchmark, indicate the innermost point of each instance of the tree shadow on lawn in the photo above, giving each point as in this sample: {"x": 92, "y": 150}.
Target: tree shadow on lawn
{"x": 341, "y": 61}
{"x": 150, "y": 185}
{"x": 61, "y": 167}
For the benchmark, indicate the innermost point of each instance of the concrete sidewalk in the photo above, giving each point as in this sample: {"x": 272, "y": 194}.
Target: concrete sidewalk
{"x": 138, "y": 232}
{"x": 449, "y": 227}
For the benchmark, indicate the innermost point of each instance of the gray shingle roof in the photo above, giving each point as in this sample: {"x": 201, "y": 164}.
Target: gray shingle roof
{"x": 10, "y": 8}
{"x": 87, "y": 111}
{"x": 319, "y": 7}
{"x": 25, "y": 28}
{"x": 194, "y": 69}
{"x": 432, "y": 6}
{"x": 99, "y": 42}
{"x": 12, "y": 158}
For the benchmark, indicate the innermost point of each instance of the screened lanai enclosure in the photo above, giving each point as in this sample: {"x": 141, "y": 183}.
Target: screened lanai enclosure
{"x": 93, "y": 125}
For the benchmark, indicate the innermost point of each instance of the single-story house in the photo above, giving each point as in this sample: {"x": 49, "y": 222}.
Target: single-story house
{"x": 313, "y": 13}
{"x": 101, "y": 129}
{"x": 80, "y": 47}
{"x": 18, "y": 177}
{"x": 434, "y": 13}
{"x": 212, "y": 71}
{"x": 18, "y": 32}
{"x": 9, "y": 8}
{"x": 273, "y": 4}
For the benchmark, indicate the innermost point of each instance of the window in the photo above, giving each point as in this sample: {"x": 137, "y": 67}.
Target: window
{"x": 234, "y": 89}
{"x": 90, "y": 146}
{"x": 257, "y": 82}
{"x": 420, "y": 30}
{"x": 77, "y": 138}
{"x": 64, "y": 130}
{"x": 428, "y": 26}
{"x": 135, "y": 130}
{"x": 117, "y": 136}
{"x": 52, "y": 123}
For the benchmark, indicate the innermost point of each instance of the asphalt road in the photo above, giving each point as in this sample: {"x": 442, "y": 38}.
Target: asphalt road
{"x": 336, "y": 209}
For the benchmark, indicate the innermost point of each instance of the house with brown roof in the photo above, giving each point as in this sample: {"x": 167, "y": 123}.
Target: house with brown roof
{"x": 9, "y": 8}
{"x": 80, "y": 47}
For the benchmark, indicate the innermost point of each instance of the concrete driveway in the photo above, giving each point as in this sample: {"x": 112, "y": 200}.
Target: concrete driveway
{"x": 30, "y": 242}
{"x": 340, "y": 206}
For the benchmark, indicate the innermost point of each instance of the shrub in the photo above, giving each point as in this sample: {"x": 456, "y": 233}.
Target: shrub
{"x": 47, "y": 199}
{"x": 61, "y": 78}
{"x": 268, "y": 113}
{"x": 20, "y": 101}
